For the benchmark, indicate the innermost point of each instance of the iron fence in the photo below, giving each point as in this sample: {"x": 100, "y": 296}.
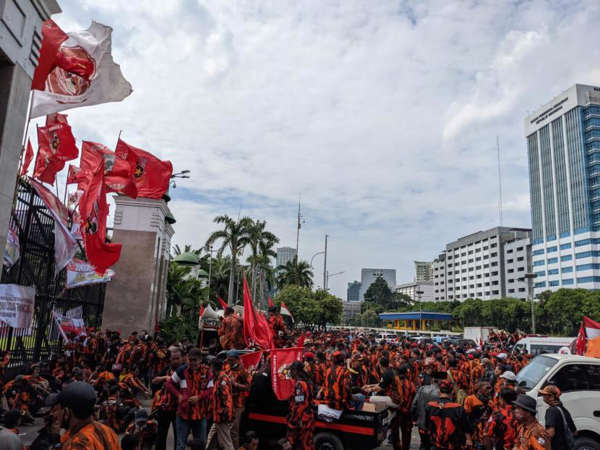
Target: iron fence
{"x": 34, "y": 226}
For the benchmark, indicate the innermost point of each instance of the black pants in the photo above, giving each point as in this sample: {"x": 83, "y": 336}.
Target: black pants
{"x": 165, "y": 419}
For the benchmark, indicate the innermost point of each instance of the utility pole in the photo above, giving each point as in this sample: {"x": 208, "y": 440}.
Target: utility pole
{"x": 325, "y": 266}
{"x": 499, "y": 181}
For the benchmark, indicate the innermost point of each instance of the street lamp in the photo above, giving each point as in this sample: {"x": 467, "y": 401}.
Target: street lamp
{"x": 419, "y": 293}
{"x": 182, "y": 174}
{"x": 315, "y": 255}
{"x": 328, "y": 276}
{"x": 529, "y": 277}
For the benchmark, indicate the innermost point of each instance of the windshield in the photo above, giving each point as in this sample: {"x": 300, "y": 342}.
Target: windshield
{"x": 533, "y": 372}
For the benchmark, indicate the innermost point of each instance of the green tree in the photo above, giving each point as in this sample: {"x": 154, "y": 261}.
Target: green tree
{"x": 262, "y": 243}
{"x": 295, "y": 272}
{"x": 379, "y": 293}
{"x": 369, "y": 318}
{"x": 234, "y": 237}
{"x": 311, "y": 308}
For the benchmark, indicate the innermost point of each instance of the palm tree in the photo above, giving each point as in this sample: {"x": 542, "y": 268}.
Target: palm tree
{"x": 294, "y": 272}
{"x": 234, "y": 236}
{"x": 261, "y": 244}
{"x": 187, "y": 248}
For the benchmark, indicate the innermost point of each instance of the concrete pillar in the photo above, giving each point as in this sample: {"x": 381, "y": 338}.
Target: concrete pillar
{"x": 136, "y": 297}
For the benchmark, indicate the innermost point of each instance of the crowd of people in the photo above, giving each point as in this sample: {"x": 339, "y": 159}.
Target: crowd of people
{"x": 458, "y": 396}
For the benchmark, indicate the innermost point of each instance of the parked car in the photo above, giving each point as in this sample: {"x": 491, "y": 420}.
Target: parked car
{"x": 578, "y": 378}
{"x": 540, "y": 345}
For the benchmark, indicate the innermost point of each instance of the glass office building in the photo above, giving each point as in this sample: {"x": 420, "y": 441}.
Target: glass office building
{"x": 563, "y": 146}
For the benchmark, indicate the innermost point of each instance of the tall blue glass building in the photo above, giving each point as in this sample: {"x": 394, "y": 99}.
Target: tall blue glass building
{"x": 563, "y": 146}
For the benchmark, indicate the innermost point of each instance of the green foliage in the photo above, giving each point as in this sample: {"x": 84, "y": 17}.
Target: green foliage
{"x": 298, "y": 273}
{"x": 379, "y": 293}
{"x": 311, "y": 308}
{"x": 177, "y": 328}
{"x": 557, "y": 313}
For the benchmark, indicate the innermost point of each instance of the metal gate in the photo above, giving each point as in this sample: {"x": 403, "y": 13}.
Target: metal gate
{"x": 34, "y": 226}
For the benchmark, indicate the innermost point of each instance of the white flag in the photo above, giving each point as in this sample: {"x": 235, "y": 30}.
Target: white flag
{"x": 102, "y": 81}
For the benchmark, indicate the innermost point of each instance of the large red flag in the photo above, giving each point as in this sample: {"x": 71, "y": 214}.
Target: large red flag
{"x": 46, "y": 164}
{"x": 118, "y": 175}
{"x": 151, "y": 174}
{"x": 281, "y": 359}
{"x": 28, "y": 158}
{"x": 256, "y": 327}
{"x": 93, "y": 210}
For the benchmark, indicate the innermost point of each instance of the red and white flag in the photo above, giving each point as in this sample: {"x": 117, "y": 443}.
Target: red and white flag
{"x": 65, "y": 244}
{"x": 94, "y": 210}
{"x": 222, "y": 302}
{"x": 118, "y": 174}
{"x": 76, "y": 69}
{"x": 285, "y": 311}
{"x": 151, "y": 175}
{"x": 589, "y": 329}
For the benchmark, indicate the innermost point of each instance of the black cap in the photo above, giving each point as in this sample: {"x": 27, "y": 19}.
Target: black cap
{"x": 78, "y": 396}
{"x": 526, "y": 402}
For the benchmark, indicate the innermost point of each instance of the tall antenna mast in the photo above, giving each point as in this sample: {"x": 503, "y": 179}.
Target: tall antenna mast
{"x": 298, "y": 230}
{"x": 499, "y": 181}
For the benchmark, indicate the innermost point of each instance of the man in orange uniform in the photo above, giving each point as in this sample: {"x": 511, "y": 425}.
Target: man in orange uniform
{"x": 501, "y": 428}
{"x": 77, "y": 402}
{"x": 222, "y": 405}
{"x": 277, "y": 326}
{"x": 531, "y": 434}
{"x": 231, "y": 331}
{"x": 301, "y": 417}
{"x": 478, "y": 409}
{"x": 338, "y": 384}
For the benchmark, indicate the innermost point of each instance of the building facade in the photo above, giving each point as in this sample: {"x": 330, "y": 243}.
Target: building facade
{"x": 353, "y": 292}
{"x": 423, "y": 270}
{"x": 20, "y": 42}
{"x": 563, "y": 148}
{"x": 517, "y": 262}
{"x": 417, "y": 290}
{"x": 368, "y": 276}
{"x": 285, "y": 255}
{"x": 351, "y": 310}
{"x": 475, "y": 266}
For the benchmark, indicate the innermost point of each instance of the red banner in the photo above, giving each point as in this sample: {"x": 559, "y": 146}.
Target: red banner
{"x": 281, "y": 359}
{"x": 250, "y": 361}
{"x": 256, "y": 328}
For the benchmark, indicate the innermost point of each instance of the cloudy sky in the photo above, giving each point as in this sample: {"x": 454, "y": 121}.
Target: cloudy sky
{"x": 381, "y": 114}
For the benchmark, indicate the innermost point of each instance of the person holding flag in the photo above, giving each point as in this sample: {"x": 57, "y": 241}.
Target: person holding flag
{"x": 230, "y": 332}
{"x": 277, "y": 326}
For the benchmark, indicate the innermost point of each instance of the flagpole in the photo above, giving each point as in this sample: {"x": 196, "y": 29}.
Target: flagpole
{"x": 25, "y": 134}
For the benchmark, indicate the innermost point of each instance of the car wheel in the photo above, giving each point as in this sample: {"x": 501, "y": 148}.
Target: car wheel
{"x": 328, "y": 441}
{"x": 586, "y": 443}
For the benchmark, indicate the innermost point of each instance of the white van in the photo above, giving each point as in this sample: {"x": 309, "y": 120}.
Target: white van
{"x": 578, "y": 378}
{"x": 387, "y": 337}
{"x": 540, "y": 345}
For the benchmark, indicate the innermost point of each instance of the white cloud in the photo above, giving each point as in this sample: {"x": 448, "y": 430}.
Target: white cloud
{"x": 382, "y": 114}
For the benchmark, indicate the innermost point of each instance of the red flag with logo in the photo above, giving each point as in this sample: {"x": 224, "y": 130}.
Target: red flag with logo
{"x": 46, "y": 164}
{"x": 118, "y": 175}
{"x": 52, "y": 38}
{"x": 28, "y": 158}
{"x": 60, "y": 141}
{"x": 281, "y": 360}
{"x": 77, "y": 175}
{"x": 256, "y": 327}
{"x": 151, "y": 175}
{"x": 94, "y": 210}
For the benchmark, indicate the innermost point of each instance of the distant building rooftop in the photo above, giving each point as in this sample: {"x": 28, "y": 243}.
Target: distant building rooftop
{"x": 417, "y": 315}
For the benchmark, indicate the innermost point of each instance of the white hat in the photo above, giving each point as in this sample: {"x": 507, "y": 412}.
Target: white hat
{"x": 509, "y": 375}
{"x": 501, "y": 356}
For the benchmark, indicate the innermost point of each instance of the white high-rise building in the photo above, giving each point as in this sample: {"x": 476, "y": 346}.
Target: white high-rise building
{"x": 563, "y": 147}
{"x": 285, "y": 255}
{"x": 476, "y": 266}
{"x": 368, "y": 276}
{"x": 423, "y": 270}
